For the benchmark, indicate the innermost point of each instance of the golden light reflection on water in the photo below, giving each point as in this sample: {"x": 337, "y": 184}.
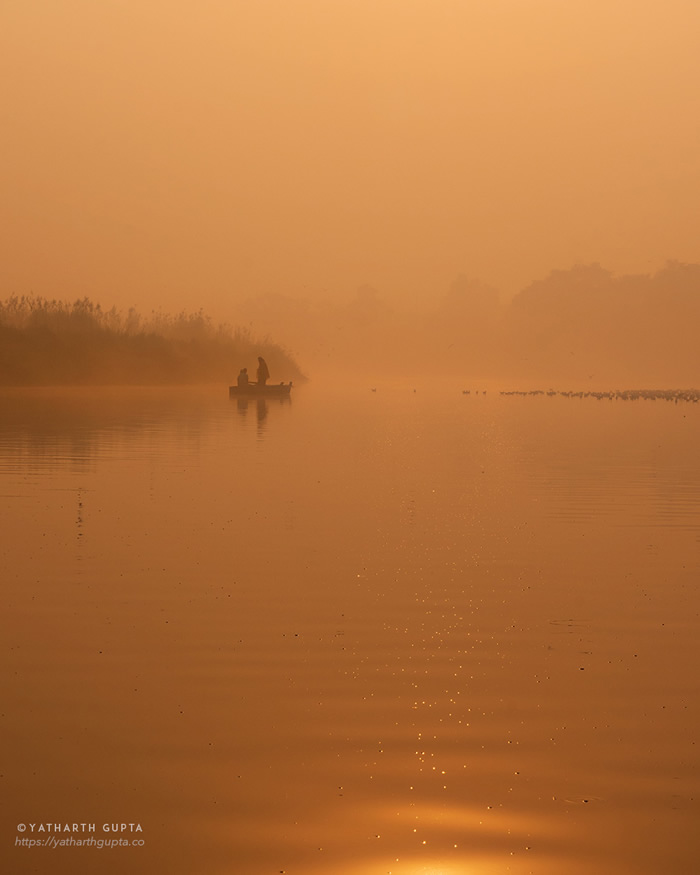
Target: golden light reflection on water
{"x": 354, "y": 638}
{"x": 481, "y": 842}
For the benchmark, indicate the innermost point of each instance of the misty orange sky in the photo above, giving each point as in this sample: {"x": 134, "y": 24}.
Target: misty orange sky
{"x": 162, "y": 153}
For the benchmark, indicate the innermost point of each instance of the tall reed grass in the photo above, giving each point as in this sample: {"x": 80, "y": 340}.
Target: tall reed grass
{"x": 51, "y": 342}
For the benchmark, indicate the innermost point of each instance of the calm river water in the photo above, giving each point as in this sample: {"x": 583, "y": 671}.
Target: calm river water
{"x": 358, "y": 633}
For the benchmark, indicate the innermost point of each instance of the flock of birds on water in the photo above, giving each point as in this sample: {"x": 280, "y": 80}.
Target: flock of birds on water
{"x": 675, "y": 395}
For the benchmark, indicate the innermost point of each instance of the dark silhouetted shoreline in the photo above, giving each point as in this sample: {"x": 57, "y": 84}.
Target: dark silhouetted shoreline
{"x": 49, "y": 342}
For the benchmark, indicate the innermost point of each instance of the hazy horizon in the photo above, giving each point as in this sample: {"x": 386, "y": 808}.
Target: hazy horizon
{"x": 162, "y": 155}
{"x": 582, "y": 326}
{"x": 432, "y": 609}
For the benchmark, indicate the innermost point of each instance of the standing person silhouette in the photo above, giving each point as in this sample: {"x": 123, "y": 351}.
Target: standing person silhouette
{"x": 263, "y": 372}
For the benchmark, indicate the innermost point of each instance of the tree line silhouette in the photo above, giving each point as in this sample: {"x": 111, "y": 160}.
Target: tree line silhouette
{"x": 582, "y": 324}
{"x": 587, "y": 321}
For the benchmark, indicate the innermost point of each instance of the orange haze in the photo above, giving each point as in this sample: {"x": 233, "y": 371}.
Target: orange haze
{"x": 169, "y": 154}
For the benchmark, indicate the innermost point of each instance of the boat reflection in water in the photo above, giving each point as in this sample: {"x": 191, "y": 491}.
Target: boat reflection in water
{"x": 260, "y": 396}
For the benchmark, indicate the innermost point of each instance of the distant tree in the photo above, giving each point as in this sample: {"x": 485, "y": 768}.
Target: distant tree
{"x": 585, "y": 322}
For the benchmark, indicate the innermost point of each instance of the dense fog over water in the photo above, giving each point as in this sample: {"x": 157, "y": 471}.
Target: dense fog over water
{"x": 583, "y": 326}
{"x": 165, "y": 155}
{"x": 433, "y": 609}
{"x": 579, "y": 325}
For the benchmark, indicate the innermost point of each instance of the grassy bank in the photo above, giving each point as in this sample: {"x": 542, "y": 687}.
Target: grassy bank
{"x": 46, "y": 342}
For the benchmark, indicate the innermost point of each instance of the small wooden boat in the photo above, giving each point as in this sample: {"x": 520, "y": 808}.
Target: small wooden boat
{"x": 253, "y": 390}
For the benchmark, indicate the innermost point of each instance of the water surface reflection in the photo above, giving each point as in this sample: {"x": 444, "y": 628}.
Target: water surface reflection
{"x": 400, "y": 631}
{"x": 260, "y": 406}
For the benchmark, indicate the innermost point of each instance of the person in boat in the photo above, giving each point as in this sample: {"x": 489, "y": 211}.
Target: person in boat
{"x": 263, "y": 372}
{"x": 243, "y": 378}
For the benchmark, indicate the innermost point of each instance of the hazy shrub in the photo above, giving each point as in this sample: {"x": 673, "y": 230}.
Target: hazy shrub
{"x": 50, "y": 342}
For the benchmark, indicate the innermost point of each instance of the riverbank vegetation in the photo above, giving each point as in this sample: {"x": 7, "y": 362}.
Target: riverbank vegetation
{"x": 49, "y": 342}
{"x": 584, "y": 325}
